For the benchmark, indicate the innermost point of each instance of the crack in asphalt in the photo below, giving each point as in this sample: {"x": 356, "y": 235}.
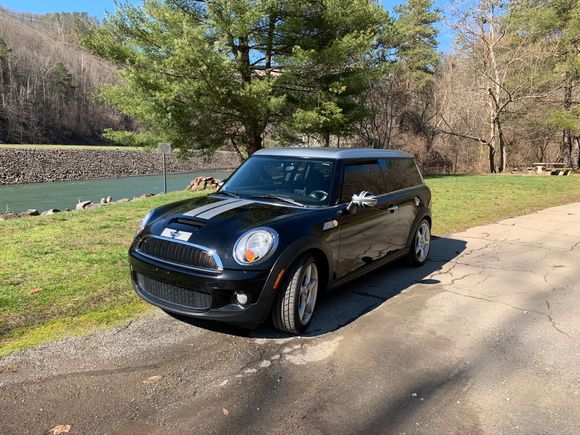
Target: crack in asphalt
{"x": 454, "y": 280}
{"x": 548, "y": 315}
{"x": 455, "y": 262}
{"x": 552, "y": 321}
{"x": 520, "y": 243}
{"x": 534, "y": 229}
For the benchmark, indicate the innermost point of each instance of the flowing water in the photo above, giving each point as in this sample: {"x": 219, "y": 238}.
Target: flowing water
{"x": 43, "y": 196}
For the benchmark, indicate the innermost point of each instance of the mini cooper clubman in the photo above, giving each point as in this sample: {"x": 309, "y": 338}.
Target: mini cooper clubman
{"x": 287, "y": 225}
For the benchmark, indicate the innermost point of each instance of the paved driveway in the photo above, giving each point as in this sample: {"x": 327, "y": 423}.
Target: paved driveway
{"x": 483, "y": 339}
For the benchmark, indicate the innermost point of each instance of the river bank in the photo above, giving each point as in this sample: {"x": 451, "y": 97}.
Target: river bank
{"x": 18, "y": 198}
{"x": 33, "y": 165}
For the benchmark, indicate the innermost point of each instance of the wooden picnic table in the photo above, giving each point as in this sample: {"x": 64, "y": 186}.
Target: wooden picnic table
{"x": 553, "y": 168}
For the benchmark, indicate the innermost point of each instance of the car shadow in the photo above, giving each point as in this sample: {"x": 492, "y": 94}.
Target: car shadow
{"x": 347, "y": 303}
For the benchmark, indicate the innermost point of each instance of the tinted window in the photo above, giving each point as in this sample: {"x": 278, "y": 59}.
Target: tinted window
{"x": 401, "y": 174}
{"x": 359, "y": 177}
{"x": 294, "y": 178}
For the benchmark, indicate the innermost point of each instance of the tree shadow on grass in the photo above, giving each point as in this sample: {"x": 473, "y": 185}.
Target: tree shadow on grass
{"x": 356, "y": 298}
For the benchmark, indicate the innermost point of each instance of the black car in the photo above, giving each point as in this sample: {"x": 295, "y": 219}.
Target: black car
{"x": 288, "y": 224}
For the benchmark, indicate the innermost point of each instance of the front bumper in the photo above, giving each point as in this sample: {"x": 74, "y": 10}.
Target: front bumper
{"x": 216, "y": 289}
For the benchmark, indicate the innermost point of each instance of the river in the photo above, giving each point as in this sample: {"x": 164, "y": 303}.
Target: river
{"x": 43, "y": 196}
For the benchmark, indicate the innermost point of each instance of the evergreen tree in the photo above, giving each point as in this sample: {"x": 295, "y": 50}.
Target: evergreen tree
{"x": 557, "y": 24}
{"x": 201, "y": 73}
{"x": 417, "y": 42}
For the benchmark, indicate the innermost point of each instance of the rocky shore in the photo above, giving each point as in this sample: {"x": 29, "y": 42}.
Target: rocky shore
{"x": 209, "y": 184}
{"x": 39, "y": 166}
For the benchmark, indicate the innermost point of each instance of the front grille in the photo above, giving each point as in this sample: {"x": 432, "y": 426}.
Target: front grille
{"x": 177, "y": 253}
{"x": 177, "y": 295}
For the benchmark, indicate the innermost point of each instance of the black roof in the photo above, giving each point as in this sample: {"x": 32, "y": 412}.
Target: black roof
{"x": 332, "y": 153}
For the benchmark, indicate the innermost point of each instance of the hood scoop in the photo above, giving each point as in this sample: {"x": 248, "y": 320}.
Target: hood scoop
{"x": 188, "y": 222}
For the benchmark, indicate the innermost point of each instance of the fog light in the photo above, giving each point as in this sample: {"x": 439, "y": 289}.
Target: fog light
{"x": 242, "y": 298}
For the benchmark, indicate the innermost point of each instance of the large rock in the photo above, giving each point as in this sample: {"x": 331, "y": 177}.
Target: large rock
{"x": 29, "y": 212}
{"x": 50, "y": 212}
{"x": 204, "y": 183}
{"x": 122, "y": 201}
{"x": 8, "y": 216}
{"x": 83, "y": 204}
{"x": 146, "y": 195}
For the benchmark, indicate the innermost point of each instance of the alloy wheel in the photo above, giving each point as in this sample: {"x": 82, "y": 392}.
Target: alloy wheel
{"x": 307, "y": 293}
{"x": 422, "y": 241}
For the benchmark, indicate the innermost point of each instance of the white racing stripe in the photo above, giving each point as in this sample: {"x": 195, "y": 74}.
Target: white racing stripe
{"x": 209, "y": 211}
{"x": 222, "y": 209}
{"x": 207, "y": 207}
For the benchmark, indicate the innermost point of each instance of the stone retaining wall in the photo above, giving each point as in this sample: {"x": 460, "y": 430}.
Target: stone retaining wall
{"x": 39, "y": 166}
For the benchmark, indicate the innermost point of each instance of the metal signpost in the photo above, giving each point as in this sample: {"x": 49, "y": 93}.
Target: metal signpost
{"x": 165, "y": 149}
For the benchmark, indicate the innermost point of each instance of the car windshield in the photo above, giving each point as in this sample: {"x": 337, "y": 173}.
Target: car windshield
{"x": 292, "y": 180}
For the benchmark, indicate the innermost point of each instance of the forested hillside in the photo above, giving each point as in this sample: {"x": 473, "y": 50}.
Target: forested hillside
{"x": 47, "y": 82}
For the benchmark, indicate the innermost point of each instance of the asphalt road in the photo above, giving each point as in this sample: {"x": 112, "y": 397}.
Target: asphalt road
{"x": 483, "y": 339}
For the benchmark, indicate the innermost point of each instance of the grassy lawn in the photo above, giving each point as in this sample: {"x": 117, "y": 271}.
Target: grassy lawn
{"x": 67, "y": 274}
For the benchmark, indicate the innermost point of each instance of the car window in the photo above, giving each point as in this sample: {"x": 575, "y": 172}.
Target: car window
{"x": 359, "y": 177}
{"x": 401, "y": 174}
{"x": 307, "y": 181}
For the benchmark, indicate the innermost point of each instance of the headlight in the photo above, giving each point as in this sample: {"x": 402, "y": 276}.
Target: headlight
{"x": 255, "y": 246}
{"x": 144, "y": 222}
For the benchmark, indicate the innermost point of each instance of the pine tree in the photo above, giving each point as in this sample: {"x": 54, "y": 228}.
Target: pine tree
{"x": 557, "y": 23}
{"x": 417, "y": 42}
{"x": 203, "y": 73}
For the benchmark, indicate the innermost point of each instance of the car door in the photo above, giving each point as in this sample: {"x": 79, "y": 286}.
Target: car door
{"x": 365, "y": 233}
{"x": 403, "y": 182}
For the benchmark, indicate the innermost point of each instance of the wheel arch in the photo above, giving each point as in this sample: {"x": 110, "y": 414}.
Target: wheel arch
{"x": 424, "y": 213}
{"x": 308, "y": 245}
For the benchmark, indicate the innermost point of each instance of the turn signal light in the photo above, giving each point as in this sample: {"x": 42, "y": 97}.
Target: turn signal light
{"x": 250, "y": 256}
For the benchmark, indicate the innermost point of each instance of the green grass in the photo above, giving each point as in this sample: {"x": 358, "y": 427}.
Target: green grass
{"x": 78, "y": 260}
{"x": 68, "y": 147}
{"x": 461, "y": 202}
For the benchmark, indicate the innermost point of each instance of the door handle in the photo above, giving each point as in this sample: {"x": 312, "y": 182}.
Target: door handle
{"x": 393, "y": 208}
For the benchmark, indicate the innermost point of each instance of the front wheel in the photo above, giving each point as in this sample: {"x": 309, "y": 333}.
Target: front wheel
{"x": 421, "y": 245}
{"x": 294, "y": 306}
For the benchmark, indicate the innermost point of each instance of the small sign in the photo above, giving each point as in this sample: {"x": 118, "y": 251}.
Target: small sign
{"x": 164, "y": 148}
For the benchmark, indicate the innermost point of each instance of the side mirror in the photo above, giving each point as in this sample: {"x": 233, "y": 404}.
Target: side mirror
{"x": 362, "y": 200}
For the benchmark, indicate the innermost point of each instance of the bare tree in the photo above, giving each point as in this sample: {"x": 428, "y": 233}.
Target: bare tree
{"x": 506, "y": 71}
{"x": 47, "y": 82}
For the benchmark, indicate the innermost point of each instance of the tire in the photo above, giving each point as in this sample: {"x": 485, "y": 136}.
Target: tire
{"x": 291, "y": 313}
{"x": 421, "y": 245}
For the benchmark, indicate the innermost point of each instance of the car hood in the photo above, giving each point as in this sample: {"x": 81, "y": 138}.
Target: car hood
{"x": 216, "y": 221}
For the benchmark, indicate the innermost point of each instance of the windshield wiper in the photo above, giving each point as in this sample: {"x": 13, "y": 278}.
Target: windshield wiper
{"x": 225, "y": 192}
{"x": 279, "y": 198}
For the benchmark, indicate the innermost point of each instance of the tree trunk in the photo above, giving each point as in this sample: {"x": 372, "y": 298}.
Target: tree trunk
{"x": 253, "y": 144}
{"x": 566, "y": 145}
{"x": 326, "y": 139}
{"x": 492, "y": 142}
{"x": 576, "y": 161}
{"x": 502, "y": 145}
{"x": 492, "y": 168}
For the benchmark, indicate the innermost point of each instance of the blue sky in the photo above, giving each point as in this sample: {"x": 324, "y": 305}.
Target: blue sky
{"x": 97, "y": 8}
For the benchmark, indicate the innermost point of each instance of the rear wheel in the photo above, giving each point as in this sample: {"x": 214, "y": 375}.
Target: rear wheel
{"x": 421, "y": 245}
{"x": 294, "y": 306}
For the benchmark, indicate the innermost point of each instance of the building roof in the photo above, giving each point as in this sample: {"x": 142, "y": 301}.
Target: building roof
{"x": 332, "y": 153}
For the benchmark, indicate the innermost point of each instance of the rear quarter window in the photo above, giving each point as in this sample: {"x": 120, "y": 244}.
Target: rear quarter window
{"x": 402, "y": 174}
